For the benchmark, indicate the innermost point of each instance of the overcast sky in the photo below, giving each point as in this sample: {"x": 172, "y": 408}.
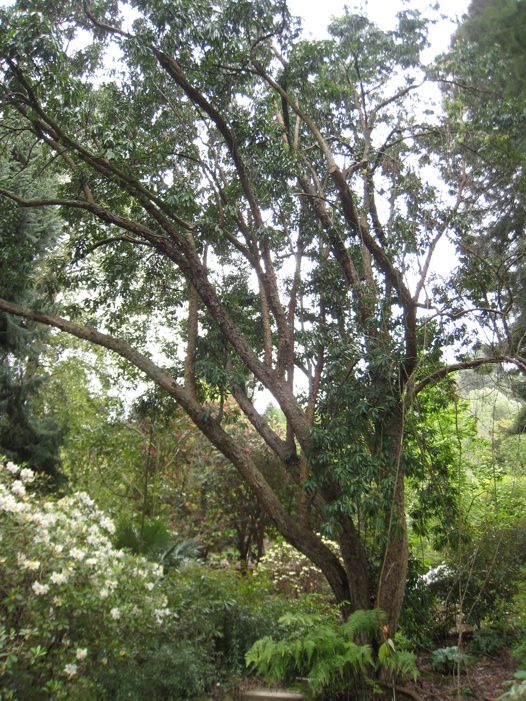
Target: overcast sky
{"x": 316, "y": 15}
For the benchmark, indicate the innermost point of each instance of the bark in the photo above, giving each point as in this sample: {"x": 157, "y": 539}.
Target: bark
{"x": 393, "y": 572}
{"x": 191, "y": 344}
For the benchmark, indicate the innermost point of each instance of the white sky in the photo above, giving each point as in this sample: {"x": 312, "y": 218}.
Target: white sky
{"x": 316, "y": 15}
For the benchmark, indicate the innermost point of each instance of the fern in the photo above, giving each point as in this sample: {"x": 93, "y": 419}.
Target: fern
{"x": 363, "y": 623}
{"x": 330, "y": 657}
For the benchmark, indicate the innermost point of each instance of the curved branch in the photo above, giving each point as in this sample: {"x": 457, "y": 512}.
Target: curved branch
{"x": 467, "y": 365}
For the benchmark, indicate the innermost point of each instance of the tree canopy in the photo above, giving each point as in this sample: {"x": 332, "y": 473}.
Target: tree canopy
{"x": 258, "y": 210}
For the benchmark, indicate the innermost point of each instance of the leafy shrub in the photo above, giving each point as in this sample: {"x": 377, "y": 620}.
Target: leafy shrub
{"x": 170, "y": 669}
{"x": 420, "y": 608}
{"x": 84, "y": 620}
{"x": 490, "y": 640}
{"x": 484, "y": 569}
{"x": 329, "y": 655}
{"x": 155, "y": 542}
{"x": 517, "y": 690}
{"x": 73, "y": 606}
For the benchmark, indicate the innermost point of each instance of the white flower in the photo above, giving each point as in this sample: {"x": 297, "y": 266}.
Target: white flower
{"x": 27, "y": 475}
{"x": 77, "y": 554}
{"x": 71, "y": 670}
{"x": 149, "y": 585}
{"x": 85, "y": 499}
{"x": 92, "y": 561}
{"x": 160, "y": 614}
{"x": 47, "y": 521}
{"x": 107, "y": 524}
{"x": 18, "y": 488}
{"x": 58, "y": 578}
{"x": 104, "y": 593}
{"x": 40, "y": 589}
{"x": 81, "y": 653}
{"x": 31, "y": 564}
{"x": 115, "y": 614}
{"x": 9, "y": 503}
{"x": 11, "y": 468}
{"x": 435, "y": 574}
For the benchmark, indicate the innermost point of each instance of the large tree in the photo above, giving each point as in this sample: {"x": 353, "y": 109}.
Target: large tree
{"x": 27, "y": 435}
{"x": 264, "y": 208}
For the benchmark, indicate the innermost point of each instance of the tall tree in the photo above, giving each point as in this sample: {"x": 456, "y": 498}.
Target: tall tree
{"x": 26, "y": 434}
{"x": 258, "y": 204}
{"x": 485, "y": 99}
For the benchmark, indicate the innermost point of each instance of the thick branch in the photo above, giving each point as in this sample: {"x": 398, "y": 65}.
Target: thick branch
{"x": 467, "y": 365}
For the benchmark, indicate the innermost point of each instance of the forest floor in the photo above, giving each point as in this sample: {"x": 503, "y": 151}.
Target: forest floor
{"x": 484, "y": 680}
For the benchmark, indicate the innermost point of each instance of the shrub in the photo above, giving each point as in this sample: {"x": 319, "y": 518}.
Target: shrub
{"x": 449, "y": 659}
{"x": 83, "y": 620}
{"x": 517, "y": 690}
{"x": 74, "y": 607}
{"x": 328, "y": 654}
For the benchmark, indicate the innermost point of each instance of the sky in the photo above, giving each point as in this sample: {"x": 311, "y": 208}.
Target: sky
{"x": 316, "y": 15}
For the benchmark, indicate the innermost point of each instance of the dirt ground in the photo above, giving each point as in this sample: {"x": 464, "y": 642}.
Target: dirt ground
{"x": 485, "y": 680}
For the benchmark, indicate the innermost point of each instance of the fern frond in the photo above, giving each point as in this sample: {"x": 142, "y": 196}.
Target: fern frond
{"x": 363, "y": 623}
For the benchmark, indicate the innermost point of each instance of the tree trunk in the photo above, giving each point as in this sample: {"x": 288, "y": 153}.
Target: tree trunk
{"x": 393, "y": 572}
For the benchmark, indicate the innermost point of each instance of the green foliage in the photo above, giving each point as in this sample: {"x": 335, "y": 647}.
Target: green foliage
{"x": 291, "y": 573}
{"x": 449, "y": 659}
{"x": 154, "y": 541}
{"x": 420, "y": 608}
{"x": 257, "y": 151}
{"x": 83, "y": 620}
{"x": 517, "y": 690}
{"x": 491, "y": 639}
{"x": 28, "y": 434}
{"x": 328, "y": 655}
{"x": 73, "y": 606}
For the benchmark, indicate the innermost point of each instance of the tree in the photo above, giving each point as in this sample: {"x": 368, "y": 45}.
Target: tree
{"x": 26, "y": 435}
{"x": 484, "y": 98}
{"x": 262, "y": 202}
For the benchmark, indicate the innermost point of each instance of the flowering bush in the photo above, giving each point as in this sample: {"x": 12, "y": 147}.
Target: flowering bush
{"x": 293, "y": 573}
{"x": 74, "y": 608}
